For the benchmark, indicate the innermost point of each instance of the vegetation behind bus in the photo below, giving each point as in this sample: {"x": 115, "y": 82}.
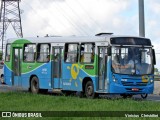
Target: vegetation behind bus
{"x": 1, "y": 55}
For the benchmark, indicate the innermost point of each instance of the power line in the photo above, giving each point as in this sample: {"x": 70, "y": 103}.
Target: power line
{"x": 47, "y": 21}
{"x": 59, "y": 18}
{"x": 88, "y": 15}
{"x": 80, "y": 18}
{"x": 73, "y": 24}
{"x": 79, "y": 29}
{"x": 44, "y": 20}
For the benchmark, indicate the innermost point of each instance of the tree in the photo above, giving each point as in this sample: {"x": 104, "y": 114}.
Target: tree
{"x": 155, "y": 69}
{"x": 1, "y": 55}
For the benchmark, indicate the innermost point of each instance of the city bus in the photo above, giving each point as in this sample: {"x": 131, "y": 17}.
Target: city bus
{"x": 100, "y": 64}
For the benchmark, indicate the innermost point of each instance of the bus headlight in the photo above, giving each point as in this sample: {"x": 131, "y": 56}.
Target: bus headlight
{"x": 151, "y": 81}
{"x": 114, "y": 79}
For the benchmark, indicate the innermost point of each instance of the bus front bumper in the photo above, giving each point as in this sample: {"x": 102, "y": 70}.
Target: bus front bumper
{"x": 120, "y": 89}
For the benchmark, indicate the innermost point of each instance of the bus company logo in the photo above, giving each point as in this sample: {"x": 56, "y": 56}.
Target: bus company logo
{"x": 6, "y": 114}
{"x": 74, "y": 70}
{"x": 145, "y": 78}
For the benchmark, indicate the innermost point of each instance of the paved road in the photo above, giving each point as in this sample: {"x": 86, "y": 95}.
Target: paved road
{"x": 151, "y": 97}
{"x": 6, "y": 88}
{"x": 154, "y": 97}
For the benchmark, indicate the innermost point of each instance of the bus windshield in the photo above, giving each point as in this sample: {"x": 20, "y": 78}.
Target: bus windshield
{"x": 132, "y": 60}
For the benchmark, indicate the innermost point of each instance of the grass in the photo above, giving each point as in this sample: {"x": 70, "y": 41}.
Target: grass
{"x": 24, "y": 101}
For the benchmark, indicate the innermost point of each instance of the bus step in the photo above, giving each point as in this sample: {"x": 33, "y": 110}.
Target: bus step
{"x": 57, "y": 90}
{"x": 101, "y": 91}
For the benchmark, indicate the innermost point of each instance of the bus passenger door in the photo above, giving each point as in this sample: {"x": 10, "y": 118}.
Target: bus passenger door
{"x": 17, "y": 59}
{"x": 57, "y": 66}
{"x": 102, "y": 68}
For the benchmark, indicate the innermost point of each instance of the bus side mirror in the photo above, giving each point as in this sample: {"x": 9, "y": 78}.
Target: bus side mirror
{"x": 154, "y": 57}
{"x": 109, "y": 51}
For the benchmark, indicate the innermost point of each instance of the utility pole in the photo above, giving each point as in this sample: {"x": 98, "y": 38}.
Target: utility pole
{"x": 141, "y": 19}
{"x": 10, "y": 14}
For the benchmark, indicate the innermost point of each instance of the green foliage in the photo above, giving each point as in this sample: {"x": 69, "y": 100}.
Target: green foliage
{"x": 155, "y": 69}
{"x": 1, "y": 55}
{"x": 27, "y": 101}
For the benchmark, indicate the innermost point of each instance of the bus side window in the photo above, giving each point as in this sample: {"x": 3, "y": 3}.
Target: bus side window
{"x": 82, "y": 54}
{"x": 29, "y": 52}
{"x": 43, "y": 52}
{"x": 87, "y": 53}
{"x": 8, "y": 48}
{"x": 71, "y": 53}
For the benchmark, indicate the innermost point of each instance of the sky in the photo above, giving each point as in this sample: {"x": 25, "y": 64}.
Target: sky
{"x": 89, "y": 17}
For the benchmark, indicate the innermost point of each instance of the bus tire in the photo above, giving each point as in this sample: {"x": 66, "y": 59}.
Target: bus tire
{"x": 144, "y": 96}
{"x": 35, "y": 85}
{"x": 89, "y": 90}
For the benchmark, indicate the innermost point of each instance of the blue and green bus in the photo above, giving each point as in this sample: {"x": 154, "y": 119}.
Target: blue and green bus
{"x": 95, "y": 65}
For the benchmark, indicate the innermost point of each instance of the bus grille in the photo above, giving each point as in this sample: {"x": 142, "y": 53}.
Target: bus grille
{"x": 134, "y": 83}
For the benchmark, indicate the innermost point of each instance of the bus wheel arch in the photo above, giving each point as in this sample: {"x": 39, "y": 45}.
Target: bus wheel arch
{"x": 88, "y": 88}
{"x": 34, "y": 84}
{"x": 2, "y": 79}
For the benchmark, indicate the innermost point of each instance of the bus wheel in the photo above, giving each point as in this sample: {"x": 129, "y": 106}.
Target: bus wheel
{"x": 34, "y": 85}
{"x": 144, "y": 96}
{"x": 89, "y": 90}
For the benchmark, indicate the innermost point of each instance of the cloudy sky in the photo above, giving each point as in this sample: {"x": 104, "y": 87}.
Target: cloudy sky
{"x": 88, "y": 17}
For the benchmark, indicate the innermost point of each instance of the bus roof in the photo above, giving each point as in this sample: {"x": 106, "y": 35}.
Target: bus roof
{"x": 68, "y": 39}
